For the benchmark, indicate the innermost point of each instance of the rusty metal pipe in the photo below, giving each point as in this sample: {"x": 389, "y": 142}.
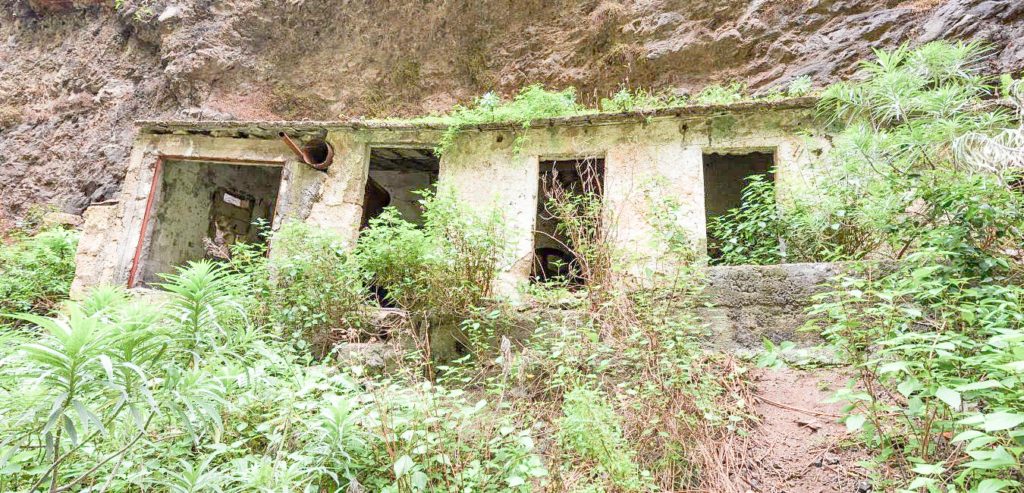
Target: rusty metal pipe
{"x": 304, "y": 155}
{"x": 295, "y": 147}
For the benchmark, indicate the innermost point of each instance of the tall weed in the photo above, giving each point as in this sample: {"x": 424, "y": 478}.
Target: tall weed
{"x": 934, "y": 339}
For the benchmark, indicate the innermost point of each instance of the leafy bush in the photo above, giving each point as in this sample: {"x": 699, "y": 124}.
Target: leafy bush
{"x": 722, "y": 94}
{"x": 315, "y": 289}
{"x": 762, "y": 232}
{"x": 800, "y": 86}
{"x": 182, "y": 395}
{"x": 751, "y": 233}
{"x": 532, "y": 103}
{"x": 590, "y": 429}
{"x": 36, "y": 271}
{"x": 438, "y": 270}
{"x": 937, "y": 339}
{"x": 639, "y": 100}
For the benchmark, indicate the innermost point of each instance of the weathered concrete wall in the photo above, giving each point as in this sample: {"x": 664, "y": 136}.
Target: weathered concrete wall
{"x": 182, "y": 216}
{"x": 96, "y": 257}
{"x": 754, "y": 302}
{"x": 644, "y": 162}
{"x": 400, "y": 186}
{"x": 725, "y": 177}
{"x": 339, "y": 203}
{"x": 119, "y": 225}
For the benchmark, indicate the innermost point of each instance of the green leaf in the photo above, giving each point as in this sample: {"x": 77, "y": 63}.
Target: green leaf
{"x": 992, "y": 486}
{"x": 419, "y": 480}
{"x": 855, "y": 422}
{"x": 1016, "y": 366}
{"x": 893, "y": 367}
{"x": 403, "y": 465}
{"x": 929, "y": 469}
{"x": 921, "y": 482}
{"x": 967, "y": 435}
{"x": 949, "y": 396}
{"x": 1002, "y": 421}
{"x": 908, "y": 386}
{"x": 514, "y": 481}
{"x": 985, "y": 384}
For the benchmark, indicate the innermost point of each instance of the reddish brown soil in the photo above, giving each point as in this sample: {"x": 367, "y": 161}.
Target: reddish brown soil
{"x": 800, "y": 445}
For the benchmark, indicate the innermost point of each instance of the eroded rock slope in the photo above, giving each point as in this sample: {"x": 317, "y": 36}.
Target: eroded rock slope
{"x": 75, "y": 74}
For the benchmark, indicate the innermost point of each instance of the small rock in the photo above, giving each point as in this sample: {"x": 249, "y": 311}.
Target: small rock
{"x": 64, "y": 219}
{"x": 811, "y": 424}
{"x": 863, "y": 487}
{"x": 169, "y": 13}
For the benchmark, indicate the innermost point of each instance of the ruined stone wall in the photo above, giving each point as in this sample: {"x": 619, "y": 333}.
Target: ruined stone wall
{"x": 401, "y": 186}
{"x": 749, "y": 303}
{"x": 754, "y": 302}
{"x": 182, "y": 216}
{"x": 645, "y": 161}
{"x": 112, "y": 231}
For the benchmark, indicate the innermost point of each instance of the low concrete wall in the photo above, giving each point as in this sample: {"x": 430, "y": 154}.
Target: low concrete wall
{"x": 752, "y": 302}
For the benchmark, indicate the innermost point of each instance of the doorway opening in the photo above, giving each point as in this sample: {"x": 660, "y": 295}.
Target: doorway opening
{"x": 202, "y": 208}
{"x": 725, "y": 176}
{"x": 569, "y": 198}
{"x": 395, "y": 175}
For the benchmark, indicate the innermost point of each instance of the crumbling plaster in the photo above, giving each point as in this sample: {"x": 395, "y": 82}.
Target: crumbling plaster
{"x": 181, "y": 218}
{"x": 120, "y": 224}
{"x": 660, "y": 156}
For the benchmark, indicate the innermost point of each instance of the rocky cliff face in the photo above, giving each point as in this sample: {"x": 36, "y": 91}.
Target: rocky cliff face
{"x": 75, "y": 74}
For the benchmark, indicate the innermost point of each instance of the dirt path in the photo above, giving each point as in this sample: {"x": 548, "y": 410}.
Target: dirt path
{"x": 800, "y": 445}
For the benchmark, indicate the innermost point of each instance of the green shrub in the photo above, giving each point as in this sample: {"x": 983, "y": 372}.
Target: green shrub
{"x": 639, "y": 100}
{"x": 438, "y": 270}
{"x": 316, "y": 290}
{"x": 751, "y": 233}
{"x": 805, "y": 229}
{"x": 800, "y": 86}
{"x": 590, "y": 429}
{"x": 532, "y": 103}
{"x": 722, "y": 94}
{"x": 36, "y": 271}
{"x": 937, "y": 340}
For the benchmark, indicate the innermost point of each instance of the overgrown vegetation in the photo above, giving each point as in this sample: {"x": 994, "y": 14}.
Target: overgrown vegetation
{"x": 937, "y": 338}
{"x": 36, "y": 270}
{"x": 211, "y": 385}
{"x": 924, "y": 172}
{"x": 226, "y": 379}
{"x": 532, "y": 103}
{"x": 535, "y": 102}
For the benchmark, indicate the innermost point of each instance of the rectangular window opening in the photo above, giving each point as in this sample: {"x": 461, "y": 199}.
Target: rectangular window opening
{"x": 395, "y": 174}
{"x": 202, "y": 208}
{"x": 566, "y": 191}
{"x": 725, "y": 176}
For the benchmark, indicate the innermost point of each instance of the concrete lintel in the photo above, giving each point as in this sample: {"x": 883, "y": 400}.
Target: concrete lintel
{"x": 218, "y": 149}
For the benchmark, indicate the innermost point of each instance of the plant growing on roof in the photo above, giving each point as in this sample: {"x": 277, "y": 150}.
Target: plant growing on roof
{"x": 531, "y": 103}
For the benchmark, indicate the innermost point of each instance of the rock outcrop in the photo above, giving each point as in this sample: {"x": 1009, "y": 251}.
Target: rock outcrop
{"x": 74, "y": 74}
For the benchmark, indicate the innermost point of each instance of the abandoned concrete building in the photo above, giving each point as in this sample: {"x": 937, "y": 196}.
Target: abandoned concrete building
{"x": 193, "y": 186}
